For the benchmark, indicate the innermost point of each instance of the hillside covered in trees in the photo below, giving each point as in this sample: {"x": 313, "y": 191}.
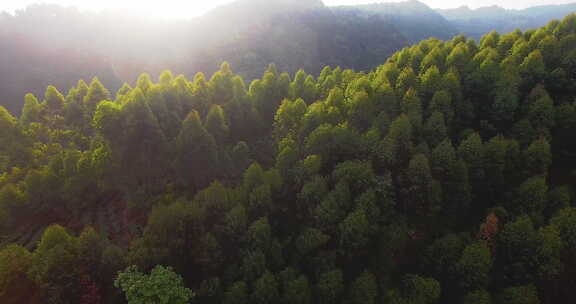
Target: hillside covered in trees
{"x": 445, "y": 175}
{"x": 53, "y": 45}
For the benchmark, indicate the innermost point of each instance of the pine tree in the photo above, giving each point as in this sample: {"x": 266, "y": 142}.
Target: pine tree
{"x": 54, "y": 100}
{"x": 31, "y": 110}
{"x": 96, "y": 93}
{"x": 216, "y": 124}
{"x": 196, "y": 152}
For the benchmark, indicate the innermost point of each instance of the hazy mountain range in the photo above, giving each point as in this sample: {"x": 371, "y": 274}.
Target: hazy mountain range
{"x": 49, "y": 44}
{"x": 476, "y": 22}
{"x": 414, "y": 19}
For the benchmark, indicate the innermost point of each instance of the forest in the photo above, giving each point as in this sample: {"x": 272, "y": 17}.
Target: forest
{"x": 444, "y": 175}
{"x": 49, "y": 44}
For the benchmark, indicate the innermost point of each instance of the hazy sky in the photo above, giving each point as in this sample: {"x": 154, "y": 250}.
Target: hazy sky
{"x": 189, "y": 8}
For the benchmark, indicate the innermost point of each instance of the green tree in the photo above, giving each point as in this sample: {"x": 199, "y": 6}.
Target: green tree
{"x": 361, "y": 111}
{"x": 8, "y": 131}
{"x": 161, "y": 286}
{"x": 364, "y": 290}
{"x": 406, "y": 80}
{"x": 201, "y": 96}
{"x": 54, "y": 100}
{"x": 196, "y": 152}
{"x": 96, "y": 93}
{"x": 442, "y": 102}
{"x": 142, "y": 145}
{"x": 533, "y": 67}
{"x": 297, "y": 291}
{"x": 526, "y": 294}
{"x": 435, "y": 129}
{"x": 159, "y": 105}
{"x": 471, "y": 150}
{"x": 144, "y": 82}
{"x": 260, "y": 234}
{"x": 480, "y": 296}
{"x": 386, "y": 100}
{"x": 452, "y": 173}
{"x": 565, "y": 222}
{"x": 266, "y": 289}
{"x": 56, "y": 250}
{"x": 412, "y": 107}
{"x": 288, "y": 118}
{"x": 241, "y": 155}
{"x": 421, "y": 290}
{"x": 90, "y": 250}
{"x": 216, "y": 124}
{"x": 541, "y": 112}
{"x": 355, "y": 230}
{"x": 538, "y": 157}
{"x": 430, "y": 82}
{"x": 334, "y": 143}
{"x": 531, "y": 196}
{"x": 420, "y": 195}
{"x": 108, "y": 121}
{"x": 222, "y": 85}
{"x": 236, "y": 222}
{"x": 329, "y": 286}
{"x": 442, "y": 254}
{"x": 397, "y": 147}
{"x": 287, "y": 157}
{"x": 311, "y": 239}
{"x": 473, "y": 267}
{"x": 236, "y": 294}
{"x": 549, "y": 249}
{"x": 15, "y": 285}
{"x": 516, "y": 251}
{"x": 31, "y": 109}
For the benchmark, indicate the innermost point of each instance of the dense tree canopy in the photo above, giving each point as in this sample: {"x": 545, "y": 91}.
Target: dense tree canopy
{"x": 445, "y": 175}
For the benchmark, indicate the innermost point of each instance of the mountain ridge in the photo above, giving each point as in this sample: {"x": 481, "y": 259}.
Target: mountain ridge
{"x": 250, "y": 34}
{"x": 414, "y": 19}
{"x": 476, "y": 22}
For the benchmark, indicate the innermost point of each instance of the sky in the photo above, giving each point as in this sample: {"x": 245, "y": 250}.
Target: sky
{"x": 183, "y": 9}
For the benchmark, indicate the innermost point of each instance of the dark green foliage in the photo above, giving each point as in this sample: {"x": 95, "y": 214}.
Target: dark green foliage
{"x": 519, "y": 295}
{"x": 216, "y": 124}
{"x": 297, "y": 291}
{"x": 443, "y": 176}
{"x": 477, "y": 297}
{"x": 265, "y": 289}
{"x": 416, "y": 289}
{"x": 330, "y": 286}
{"x": 162, "y": 286}
{"x": 473, "y": 267}
{"x": 196, "y": 152}
{"x": 364, "y": 289}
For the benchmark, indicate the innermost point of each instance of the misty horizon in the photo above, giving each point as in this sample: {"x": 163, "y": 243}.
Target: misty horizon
{"x": 198, "y": 9}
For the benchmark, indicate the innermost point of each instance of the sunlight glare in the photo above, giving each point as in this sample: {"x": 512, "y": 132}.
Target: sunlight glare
{"x": 186, "y": 9}
{"x": 169, "y": 9}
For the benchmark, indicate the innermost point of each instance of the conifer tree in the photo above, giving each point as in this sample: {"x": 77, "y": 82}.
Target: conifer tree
{"x": 196, "y": 152}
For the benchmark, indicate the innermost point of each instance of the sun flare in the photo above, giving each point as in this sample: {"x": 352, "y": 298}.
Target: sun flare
{"x": 185, "y": 9}
{"x": 169, "y": 9}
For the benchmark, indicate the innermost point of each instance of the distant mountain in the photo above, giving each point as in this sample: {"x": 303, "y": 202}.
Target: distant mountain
{"x": 477, "y": 22}
{"x": 412, "y": 18}
{"x": 250, "y": 34}
{"x": 50, "y": 44}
